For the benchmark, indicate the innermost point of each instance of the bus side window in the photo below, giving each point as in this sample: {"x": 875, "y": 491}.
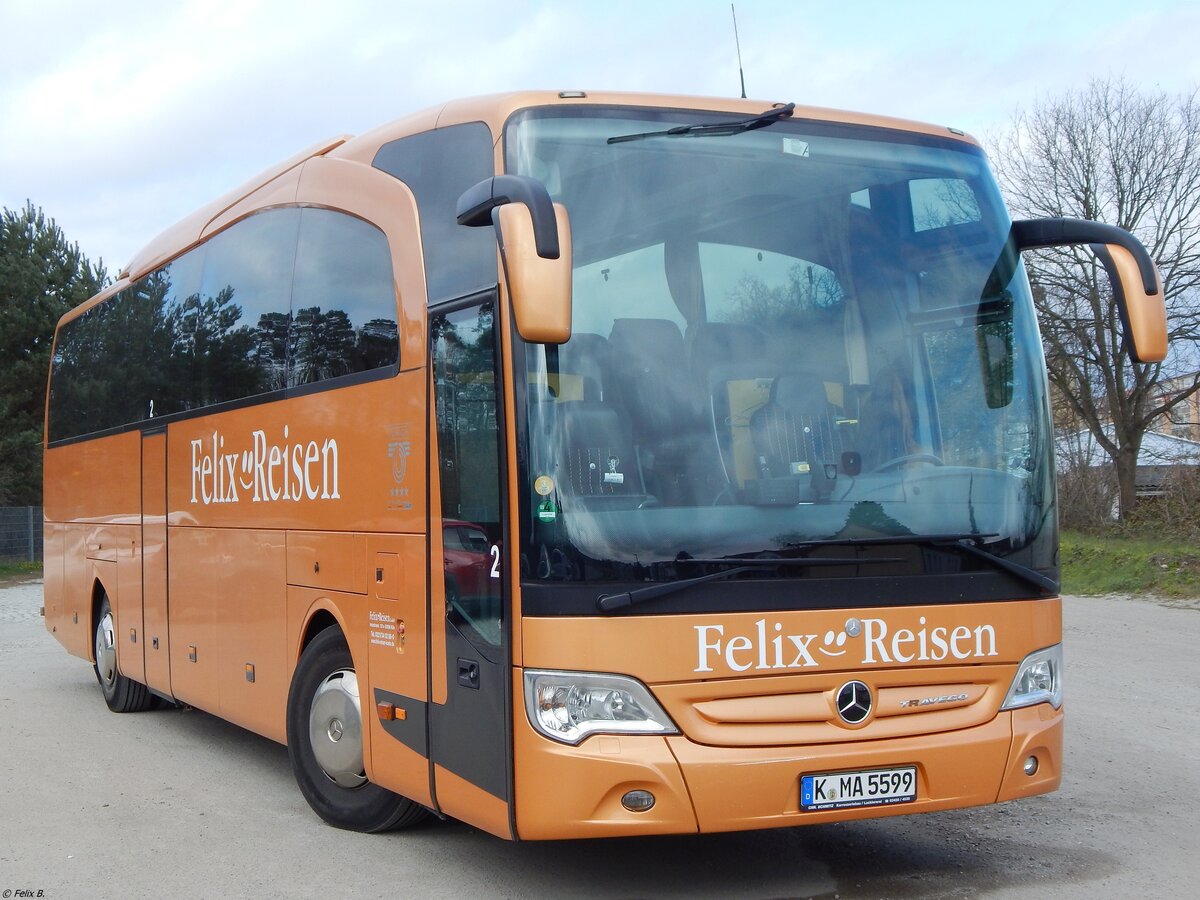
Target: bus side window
{"x": 244, "y": 304}
{"x": 343, "y": 302}
{"x": 438, "y": 166}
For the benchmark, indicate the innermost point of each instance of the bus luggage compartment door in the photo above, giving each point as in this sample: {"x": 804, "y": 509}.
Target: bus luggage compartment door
{"x": 155, "y": 641}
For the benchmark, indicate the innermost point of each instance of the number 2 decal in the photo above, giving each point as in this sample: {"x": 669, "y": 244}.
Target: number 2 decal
{"x": 495, "y": 551}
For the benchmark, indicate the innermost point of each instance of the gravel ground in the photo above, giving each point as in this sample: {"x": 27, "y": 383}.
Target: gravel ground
{"x": 177, "y": 803}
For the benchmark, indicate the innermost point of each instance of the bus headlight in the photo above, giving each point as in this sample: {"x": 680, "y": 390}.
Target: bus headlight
{"x": 1039, "y": 680}
{"x": 571, "y": 706}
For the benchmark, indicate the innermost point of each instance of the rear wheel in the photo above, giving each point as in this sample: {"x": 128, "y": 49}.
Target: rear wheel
{"x": 120, "y": 693}
{"x": 324, "y": 732}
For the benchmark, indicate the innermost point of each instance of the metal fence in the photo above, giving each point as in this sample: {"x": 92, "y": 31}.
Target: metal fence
{"x": 20, "y": 533}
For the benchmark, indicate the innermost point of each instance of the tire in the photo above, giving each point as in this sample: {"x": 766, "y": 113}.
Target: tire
{"x": 324, "y": 735}
{"x": 120, "y": 693}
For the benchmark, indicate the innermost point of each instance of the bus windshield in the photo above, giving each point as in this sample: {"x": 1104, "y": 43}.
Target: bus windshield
{"x": 794, "y": 341}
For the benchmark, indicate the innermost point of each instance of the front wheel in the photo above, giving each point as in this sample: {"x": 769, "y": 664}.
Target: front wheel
{"x": 325, "y": 745}
{"x": 120, "y": 693}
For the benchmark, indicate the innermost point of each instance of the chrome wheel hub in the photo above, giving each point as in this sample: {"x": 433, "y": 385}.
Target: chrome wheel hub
{"x": 335, "y": 729}
{"x": 106, "y": 650}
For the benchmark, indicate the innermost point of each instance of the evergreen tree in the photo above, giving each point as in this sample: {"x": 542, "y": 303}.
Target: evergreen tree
{"x": 41, "y": 277}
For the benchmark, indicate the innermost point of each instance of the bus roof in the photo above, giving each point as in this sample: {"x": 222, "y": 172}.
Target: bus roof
{"x": 493, "y": 110}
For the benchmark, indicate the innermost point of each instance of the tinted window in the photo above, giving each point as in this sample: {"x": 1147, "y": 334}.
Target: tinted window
{"x": 343, "y": 301}
{"x": 438, "y": 166}
{"x": 245, "y": 300}
{"x": 239, "y": 317}
{"x": 104, "y": 369}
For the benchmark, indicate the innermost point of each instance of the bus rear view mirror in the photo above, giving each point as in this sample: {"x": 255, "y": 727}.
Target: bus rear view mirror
{"x": 539, "y": 288}
{"x": 535, "y": 244}
{"x": 1143, "y": 313}
{"x": 1136, "y": 284}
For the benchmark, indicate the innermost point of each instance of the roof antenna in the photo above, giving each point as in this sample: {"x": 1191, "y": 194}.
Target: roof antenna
{"x": 738, "y": 44}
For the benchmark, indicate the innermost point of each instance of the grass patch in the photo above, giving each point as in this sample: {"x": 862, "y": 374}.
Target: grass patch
{"x": 1121, "y": 561}
{"x": 20, "y": 571}
{"x": 1130, "y": 562}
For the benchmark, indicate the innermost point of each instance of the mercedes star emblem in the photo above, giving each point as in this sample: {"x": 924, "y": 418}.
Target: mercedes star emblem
{"x": 854, "y": 702}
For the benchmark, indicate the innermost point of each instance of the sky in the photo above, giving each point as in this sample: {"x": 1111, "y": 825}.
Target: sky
{"x": 119, "y": 118}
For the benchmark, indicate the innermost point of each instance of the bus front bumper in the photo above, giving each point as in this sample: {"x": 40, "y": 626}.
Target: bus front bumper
{"x": 575, "y": 792}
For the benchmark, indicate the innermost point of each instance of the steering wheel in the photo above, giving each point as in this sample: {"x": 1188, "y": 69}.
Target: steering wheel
{"x": 897, "y": 461}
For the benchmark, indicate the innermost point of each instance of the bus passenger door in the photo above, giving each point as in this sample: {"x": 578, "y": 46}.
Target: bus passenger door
{"x": 469, "y": 633}
{"x": 155, "y": 638}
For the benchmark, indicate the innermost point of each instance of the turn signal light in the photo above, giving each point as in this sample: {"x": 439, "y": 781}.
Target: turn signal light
{"x": 638, "y": 801}
{"x": 390, "y": 712}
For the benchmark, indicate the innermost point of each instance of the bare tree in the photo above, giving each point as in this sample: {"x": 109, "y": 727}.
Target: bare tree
{"x": 1129, "y": 158}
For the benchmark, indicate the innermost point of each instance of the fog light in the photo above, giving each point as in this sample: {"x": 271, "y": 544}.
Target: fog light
{"x": 1031, "y": 766}
{"x": 638, "y": 801}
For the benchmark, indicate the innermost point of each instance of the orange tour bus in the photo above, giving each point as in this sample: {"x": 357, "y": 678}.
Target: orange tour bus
{"x": 579, "y": 464}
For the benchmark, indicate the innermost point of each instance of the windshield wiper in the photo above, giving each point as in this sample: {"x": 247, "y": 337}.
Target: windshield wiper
{"x": 716, "y": 129}
{"x": 968, "y": 542}
{"x": 1029, "y": 576}
{"x": 610, "y": 602}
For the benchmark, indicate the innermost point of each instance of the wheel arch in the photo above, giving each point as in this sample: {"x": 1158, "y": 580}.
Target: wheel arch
{"x": 320, "y": 616}
{"x": 99, "y": 592}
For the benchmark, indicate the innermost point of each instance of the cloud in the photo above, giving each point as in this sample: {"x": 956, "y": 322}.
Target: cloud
{"x": 120, "y": 118}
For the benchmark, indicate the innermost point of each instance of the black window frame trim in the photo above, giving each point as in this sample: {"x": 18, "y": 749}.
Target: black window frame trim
{"x": 316, "y": 387}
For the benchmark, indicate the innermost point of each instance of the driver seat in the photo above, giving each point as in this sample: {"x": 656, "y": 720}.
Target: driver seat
{"x": 794, "y": 432}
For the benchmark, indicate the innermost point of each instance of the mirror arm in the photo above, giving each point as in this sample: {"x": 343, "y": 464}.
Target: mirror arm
{"x": 1030, "y": 234}
{"x": 477, "y": 203}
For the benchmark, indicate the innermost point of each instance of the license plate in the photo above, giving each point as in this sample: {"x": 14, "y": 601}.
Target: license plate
{"x": 846, "y": 790}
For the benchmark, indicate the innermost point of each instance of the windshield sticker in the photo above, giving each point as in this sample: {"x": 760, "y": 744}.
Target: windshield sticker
{"x": 795, "y": 147}
{"x": 544, "y": 485}
{"x": 547, "y": 511}
{"x": 769, "y": 648}
{"x": 612, "y": 476}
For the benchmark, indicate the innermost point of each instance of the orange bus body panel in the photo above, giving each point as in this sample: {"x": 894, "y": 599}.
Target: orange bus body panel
{"x": 735, "y": 789}
{"x": 156, "y": 627}
{"x": 659, "y": 649}
{"x": 1037, "y": 731}
{"x": 127, "y": 604}
{"x": 397, "y": 657}
{"x": 567, "y": 792}
{"x": 88, "y": 482}
{"x": 227, "y": 604}
{"x": 756, "y": 707}
{"x": 92, "y": 491}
